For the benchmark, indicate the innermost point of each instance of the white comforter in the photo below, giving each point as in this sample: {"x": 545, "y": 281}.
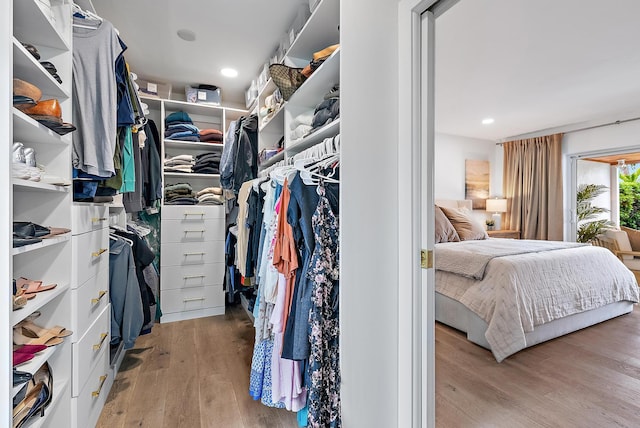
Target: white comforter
{"x": 518, "y": 292}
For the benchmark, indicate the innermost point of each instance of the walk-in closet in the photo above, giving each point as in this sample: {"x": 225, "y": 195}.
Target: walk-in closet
{"x": 175, "y": 191}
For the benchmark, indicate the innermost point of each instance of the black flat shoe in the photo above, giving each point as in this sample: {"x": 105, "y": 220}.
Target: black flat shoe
{"x": 57, "y": 127}
{"x": 21, "y": 377}
{"x": 19, "y": 241}
{"x": 32, "y": 50}
{"x": 27, "y": 229}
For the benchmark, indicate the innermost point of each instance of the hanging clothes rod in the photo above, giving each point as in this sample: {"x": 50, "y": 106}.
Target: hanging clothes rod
{"x": 568, "y": 131}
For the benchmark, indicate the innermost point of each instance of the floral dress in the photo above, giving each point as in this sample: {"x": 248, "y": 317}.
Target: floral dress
{"x": 324, "y": 331}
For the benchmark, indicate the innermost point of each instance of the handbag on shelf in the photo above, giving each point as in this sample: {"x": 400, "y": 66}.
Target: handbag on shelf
{"x": 287, "y": 79}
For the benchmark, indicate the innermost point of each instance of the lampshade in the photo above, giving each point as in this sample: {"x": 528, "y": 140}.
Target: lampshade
{"x": 497, "y": 205}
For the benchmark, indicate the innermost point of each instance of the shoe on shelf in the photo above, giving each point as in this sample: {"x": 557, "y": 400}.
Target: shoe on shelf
{"x": 28, "y": 90}
{"x": 18, "y": 153}
{"x": 30, "y": 329}
{"x": 19, "y": 302}
{"x": 47, "y": 339}
{"x": 36, "y": 399}
{"x": 20, "y": 358}
{"x": 30, "y": 156}
{"x": 55, "y": 231}
{"x": 21, "y": 377}
{"x": 32, "y": 50}
{"x": 29, "y": 349}
{"x": 31, "y": 286}
{"x": 45, "y": 375}
{"x": 27, "y": 229}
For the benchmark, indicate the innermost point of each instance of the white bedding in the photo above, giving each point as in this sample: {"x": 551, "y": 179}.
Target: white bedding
{"x": 521, "y": 291}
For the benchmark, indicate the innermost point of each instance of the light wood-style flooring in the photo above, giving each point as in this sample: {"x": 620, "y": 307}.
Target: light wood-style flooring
{"x": 196, "y": 374}
{"x": 590, "y": 378}
{"x": 191, "y": 374}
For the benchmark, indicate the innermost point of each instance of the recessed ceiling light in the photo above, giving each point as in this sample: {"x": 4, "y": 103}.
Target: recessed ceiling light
{"x": 487, "y": 121}
{"x": 186, "y": 35}
{"x": 229, "y": 72}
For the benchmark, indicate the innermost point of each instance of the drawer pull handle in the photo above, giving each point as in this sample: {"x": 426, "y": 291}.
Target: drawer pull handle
{"x": 193, "y": 231}
{"x": 97, "y": 347}
{"x": 99, "y": 252}
{"x": 193, "y": 276}
{"x": 96, "y": 394}
{"x": 194, "y": 214}
{"x": 96, "y": 300}
{"x": 195, "y": 299}
{"x": 98, "y": 219}
{"x": 193, "y": 254}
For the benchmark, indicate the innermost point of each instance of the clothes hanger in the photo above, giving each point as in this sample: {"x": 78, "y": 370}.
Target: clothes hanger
{"x": 118, "y": 237}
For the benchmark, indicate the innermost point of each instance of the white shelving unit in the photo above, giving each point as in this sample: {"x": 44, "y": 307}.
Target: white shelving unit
{"x": 48, "y": 205}
{"x": 320, "y": 31}
{"x": 192, "y": 236}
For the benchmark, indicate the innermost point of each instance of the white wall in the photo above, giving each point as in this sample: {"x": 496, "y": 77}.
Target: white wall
{"x": 369, "y": 213}
{"x": 450, "y": 153}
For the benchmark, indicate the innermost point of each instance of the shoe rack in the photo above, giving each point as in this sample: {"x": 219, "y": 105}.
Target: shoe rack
{"x": 47, "y": 26}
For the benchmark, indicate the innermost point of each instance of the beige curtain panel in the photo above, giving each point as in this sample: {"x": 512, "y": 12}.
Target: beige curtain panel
{"x": 533, "y": 187}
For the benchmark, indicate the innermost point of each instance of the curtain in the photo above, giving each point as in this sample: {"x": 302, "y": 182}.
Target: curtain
{"x": 532, "y": 185}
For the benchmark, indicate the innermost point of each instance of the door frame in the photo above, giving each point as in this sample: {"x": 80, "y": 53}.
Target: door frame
{"x": 571, "y": 229}
{"x": 416, "y": 323}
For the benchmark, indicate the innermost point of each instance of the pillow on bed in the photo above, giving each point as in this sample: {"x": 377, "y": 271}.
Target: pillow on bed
{"x": 445, "y": 232}
{"x": 467, "y": 227}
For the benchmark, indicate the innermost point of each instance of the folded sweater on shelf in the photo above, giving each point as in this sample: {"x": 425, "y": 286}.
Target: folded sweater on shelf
{"x": 210, "y": 190}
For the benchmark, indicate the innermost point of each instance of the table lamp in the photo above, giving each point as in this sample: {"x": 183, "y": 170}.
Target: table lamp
{"x": 498, "y": 206}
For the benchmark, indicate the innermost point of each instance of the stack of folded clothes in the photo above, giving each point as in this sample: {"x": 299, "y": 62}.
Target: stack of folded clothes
{"x": 179, "y": 126}
{"x": 328, "y": 110}
{"x": 301, "y": 125}
{"x": 179, "y": 194}
{"x": 180, "y": 163}
{"x": 210, "y": 196}
{"x": 207, "y": 163}
{"x": 211, "y": 136}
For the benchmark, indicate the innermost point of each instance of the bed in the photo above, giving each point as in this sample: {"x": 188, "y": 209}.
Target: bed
{"x": 508, "y": 294}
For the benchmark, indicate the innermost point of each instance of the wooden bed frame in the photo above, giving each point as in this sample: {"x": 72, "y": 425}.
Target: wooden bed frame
{"x": 456, "y": 315}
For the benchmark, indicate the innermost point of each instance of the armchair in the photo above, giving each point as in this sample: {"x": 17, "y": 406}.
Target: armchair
{"x": 625, "y": 244}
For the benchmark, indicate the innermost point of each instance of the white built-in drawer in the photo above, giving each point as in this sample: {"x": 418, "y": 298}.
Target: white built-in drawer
{"x": 190, "y": 299}
{"x": 180, "y": 231}
{"x": 174, "y": 277}
{"x": 191, "y": 253}
{"x": 192, "y": 214}
{"x": 88, "y": 404}
{"x": 88, "y": 217}
{"x": 90, "y": 348}
{"x": 88, "y": 301}
{"x": 90, "y": 253}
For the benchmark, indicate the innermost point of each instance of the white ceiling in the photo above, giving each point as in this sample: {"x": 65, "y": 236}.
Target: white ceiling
{"x": 531, "y": 65}
{"x": 534, "y": 65}
{"x": 229, "y": 33}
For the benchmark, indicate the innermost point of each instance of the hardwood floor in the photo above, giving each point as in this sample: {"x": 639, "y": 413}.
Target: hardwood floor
{"x": 191, "y": 374}
{"x": 590, "y": 378}
{"x": 196, "y": 374}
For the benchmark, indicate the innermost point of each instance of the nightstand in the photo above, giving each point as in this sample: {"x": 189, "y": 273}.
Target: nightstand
{"x": 515, "y": 234}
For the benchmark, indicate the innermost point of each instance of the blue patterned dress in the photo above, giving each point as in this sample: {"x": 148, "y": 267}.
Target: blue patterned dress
{"x": 324, "y": 330}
